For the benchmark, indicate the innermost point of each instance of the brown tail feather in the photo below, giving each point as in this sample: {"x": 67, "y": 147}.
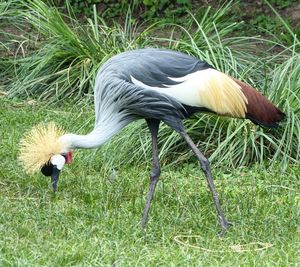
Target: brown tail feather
{"x": 259, "y": 109}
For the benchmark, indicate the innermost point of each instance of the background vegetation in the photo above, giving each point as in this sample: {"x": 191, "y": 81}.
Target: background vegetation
{"x": 49, "y": 55}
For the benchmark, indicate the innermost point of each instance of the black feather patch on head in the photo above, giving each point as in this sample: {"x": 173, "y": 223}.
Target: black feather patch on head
{"x": 47, "y": 169}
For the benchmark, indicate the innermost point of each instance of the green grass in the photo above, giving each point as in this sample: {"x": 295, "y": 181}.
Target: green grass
{"x": 94, "y": 220}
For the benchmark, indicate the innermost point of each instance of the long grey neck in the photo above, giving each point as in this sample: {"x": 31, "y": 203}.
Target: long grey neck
{"x": 110, "y": 111}
{"x": 100, "y": 135}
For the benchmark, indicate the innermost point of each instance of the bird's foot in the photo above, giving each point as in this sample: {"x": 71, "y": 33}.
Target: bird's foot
{"x": 224, "y": 225}
{"x": 143, "y": 225}
{"x": 144, "y": 222}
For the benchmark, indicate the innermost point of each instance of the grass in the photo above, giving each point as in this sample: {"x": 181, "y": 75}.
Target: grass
{"x": 94, "y": 219}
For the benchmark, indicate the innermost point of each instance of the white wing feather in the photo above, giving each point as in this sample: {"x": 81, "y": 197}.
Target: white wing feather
{"x": 206, "y": 88}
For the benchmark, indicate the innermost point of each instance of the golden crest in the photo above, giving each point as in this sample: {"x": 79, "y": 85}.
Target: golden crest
{"x": 39, "y": 144}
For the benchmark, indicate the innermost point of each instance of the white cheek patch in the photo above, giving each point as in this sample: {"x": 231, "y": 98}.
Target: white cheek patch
{"x": 58, "y": 160}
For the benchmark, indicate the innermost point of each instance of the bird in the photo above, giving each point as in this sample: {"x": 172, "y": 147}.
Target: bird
{"x": 157, "y": 85}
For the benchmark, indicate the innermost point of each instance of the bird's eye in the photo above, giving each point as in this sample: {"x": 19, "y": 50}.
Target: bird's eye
{"x": 47, "y": 169}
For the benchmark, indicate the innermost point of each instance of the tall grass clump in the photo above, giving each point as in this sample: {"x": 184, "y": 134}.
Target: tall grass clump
{"x": 68, "y": 54}
{"x": 9, "y": 41}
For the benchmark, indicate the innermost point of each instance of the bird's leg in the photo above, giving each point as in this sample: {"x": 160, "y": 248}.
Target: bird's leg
{"x": 206, "y": 169}
{"x": 153, "y": 126}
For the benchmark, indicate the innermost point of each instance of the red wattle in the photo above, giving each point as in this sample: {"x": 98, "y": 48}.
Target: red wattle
{"x": 69, "y": 157}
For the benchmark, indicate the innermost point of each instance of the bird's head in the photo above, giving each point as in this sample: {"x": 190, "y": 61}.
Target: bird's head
{"x": 42, "y": 148}
{"x": 54, "y": 166}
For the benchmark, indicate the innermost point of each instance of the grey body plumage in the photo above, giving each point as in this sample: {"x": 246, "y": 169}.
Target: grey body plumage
{"x": 115, "y": 91}
{"x": 119, "y": 101}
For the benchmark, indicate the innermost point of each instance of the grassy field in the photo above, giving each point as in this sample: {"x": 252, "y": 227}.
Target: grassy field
{"x": 94, "y": 219}
{"x": 49, "y": 60}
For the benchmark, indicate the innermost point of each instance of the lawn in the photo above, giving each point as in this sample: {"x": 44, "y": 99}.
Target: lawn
{"x": 48, "y": 62}
{"x": 94, "y": 217}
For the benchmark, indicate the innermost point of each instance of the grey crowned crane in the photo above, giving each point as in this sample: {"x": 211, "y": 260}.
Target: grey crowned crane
{"x": 155, "y": 85}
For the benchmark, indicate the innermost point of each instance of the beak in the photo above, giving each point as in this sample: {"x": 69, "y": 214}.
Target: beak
{"x": 54, "y": 178}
